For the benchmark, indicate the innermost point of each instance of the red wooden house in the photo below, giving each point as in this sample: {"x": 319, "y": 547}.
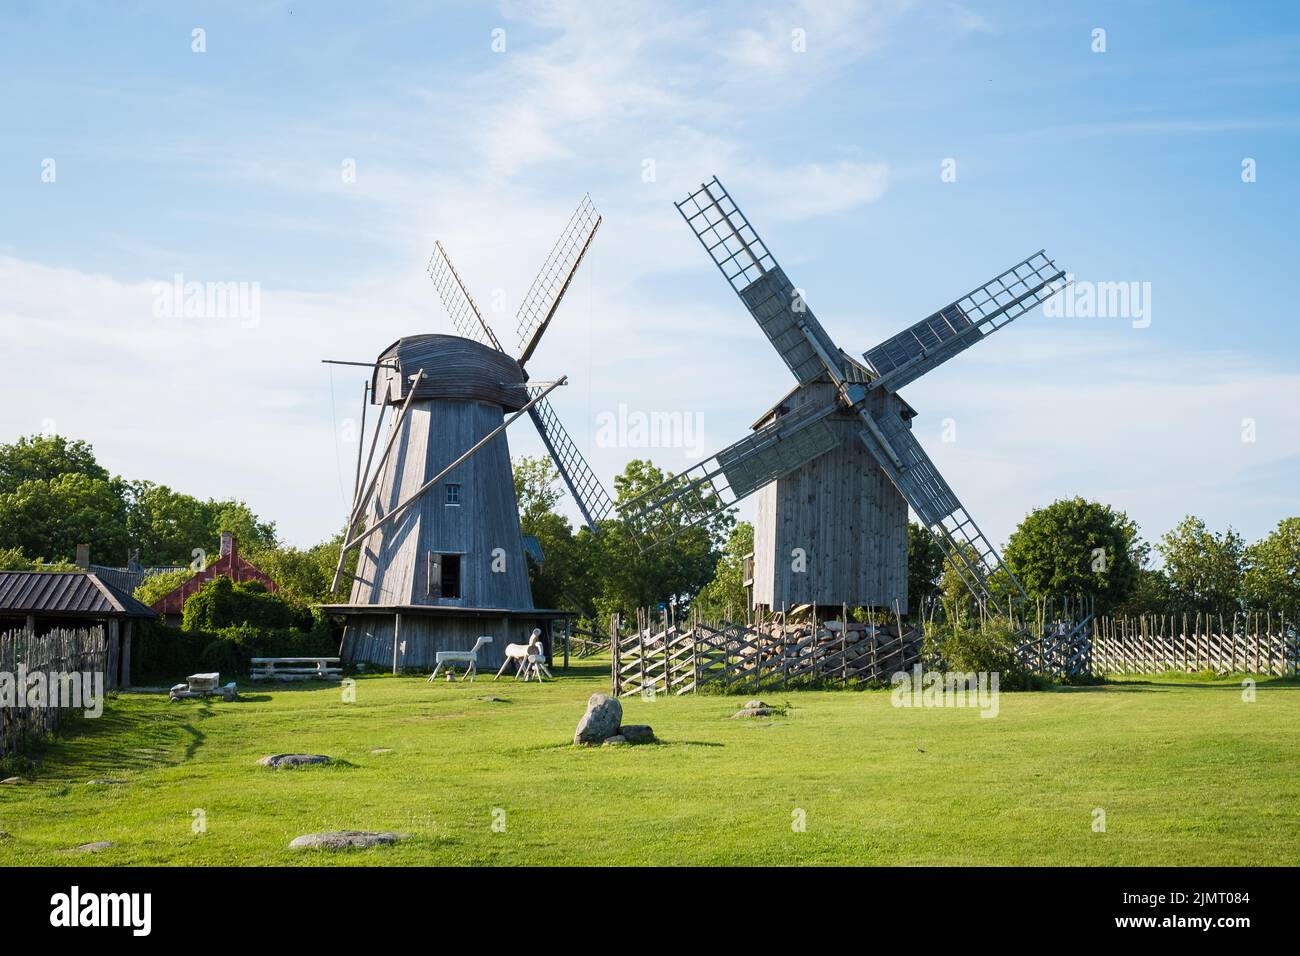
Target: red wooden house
{"x": 229, "y": 564}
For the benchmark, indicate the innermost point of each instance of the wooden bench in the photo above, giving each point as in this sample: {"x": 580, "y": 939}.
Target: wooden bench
{"x": 296, "y": 668}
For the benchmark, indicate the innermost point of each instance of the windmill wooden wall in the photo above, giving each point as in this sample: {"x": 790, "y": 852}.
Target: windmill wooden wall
{"x": 846, "y": 515}
{"x": 483, "y": 528}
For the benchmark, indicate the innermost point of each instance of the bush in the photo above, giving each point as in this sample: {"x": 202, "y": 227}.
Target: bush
{"x": 168, "y": 655}
{"x": 159, "y": 585}
{"x": 988, "y": 647}
{"x": 221, "y": 604}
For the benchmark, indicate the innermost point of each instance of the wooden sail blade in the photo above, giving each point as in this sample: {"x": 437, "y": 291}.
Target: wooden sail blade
{"x": 771, "y": 298}
{"x": 465, "y": 317}
{"x": 707, "y": 489}
{"x": 588, "y": 493}
{"x": 890, "y": 440}
{"x": 911, "y": 353}
{"x": 552, "y": 281}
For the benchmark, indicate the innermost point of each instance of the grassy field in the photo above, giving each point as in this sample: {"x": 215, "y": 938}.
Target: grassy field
{"x": 1186, "y": 772}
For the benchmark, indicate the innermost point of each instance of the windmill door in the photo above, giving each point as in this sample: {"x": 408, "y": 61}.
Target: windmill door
{"x": 435, "y": 575}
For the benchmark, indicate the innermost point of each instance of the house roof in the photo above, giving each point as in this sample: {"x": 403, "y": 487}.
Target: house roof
{"x": 129, "y": 578}
{"x": 231, "y": 565}
{"x": 65, "y": 593}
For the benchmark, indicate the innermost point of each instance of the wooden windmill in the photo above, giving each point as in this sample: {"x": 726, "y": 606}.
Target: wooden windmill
{"x": 441, "y": 558}
{"x": 835, "y": 462}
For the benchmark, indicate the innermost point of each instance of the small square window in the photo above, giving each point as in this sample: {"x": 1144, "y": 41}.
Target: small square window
{"x": 453, "y": 494}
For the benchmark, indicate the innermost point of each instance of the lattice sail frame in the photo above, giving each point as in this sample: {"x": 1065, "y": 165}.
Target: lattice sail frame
{"x": 588, "y": 493}
{"x": 552, "y": 280}
{"x": 907, "y": 356}
{"x": 461, "y": 309}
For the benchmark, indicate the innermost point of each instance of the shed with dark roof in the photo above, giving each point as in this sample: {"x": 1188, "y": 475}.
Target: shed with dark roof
{"x": 41, "y": 601}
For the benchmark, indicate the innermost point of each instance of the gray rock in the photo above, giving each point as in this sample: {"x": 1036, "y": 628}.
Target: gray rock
{"x": 753, "y": 712}
{"x": 604, "y": 714}
{"x": 105, "y": 782}
{"x": 637, "y": 733}
{"x": 292, "y": 760}
{"x": 614, "y": 741}
{"x": 345, "y": 839}
{"x": 382, "y": 750}
{"x": 11, "y": 781}
{"x": 755, "y": 705}
{"x": 94, "y": 847}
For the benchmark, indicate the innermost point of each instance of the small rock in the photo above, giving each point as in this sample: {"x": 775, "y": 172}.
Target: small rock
{"x": 756, "y": 704}
{"x": 343, "y": 839}
{"x": 614, "y": 741}
{"x": 382, "y": 750}
{"x": 292, "y": 760}
{"x": 753, "y": 712}
{"x": 637, "y": 733}
{"x": 11, "y": 781}
{"x": 604, "y": 714}
{"x": 94, "y": 847}
{"x": 105, "y": 782}
{"x": 493, "y": 700}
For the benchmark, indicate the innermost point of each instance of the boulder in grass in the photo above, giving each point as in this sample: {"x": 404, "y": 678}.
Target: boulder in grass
{"x": 345, "y": 839}
{"x": 279, "y": 761}
{"x": 615, "y": 741}
{"x": 755, "y": 708}
{"x": 94, "y": 847}
{"x": 601, "y": 721}
{"x": 637, "y": 733}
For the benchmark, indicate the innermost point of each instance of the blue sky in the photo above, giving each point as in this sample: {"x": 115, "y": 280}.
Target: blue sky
{"x": 225, "y": 166}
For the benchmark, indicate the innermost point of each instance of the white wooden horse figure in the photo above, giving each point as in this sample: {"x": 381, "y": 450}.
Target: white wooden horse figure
{"x": 529, "y": 659}
{"x": 469, "y": 657}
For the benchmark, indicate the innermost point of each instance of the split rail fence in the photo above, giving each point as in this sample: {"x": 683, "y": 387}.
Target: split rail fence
{"x": 58, "y": 652}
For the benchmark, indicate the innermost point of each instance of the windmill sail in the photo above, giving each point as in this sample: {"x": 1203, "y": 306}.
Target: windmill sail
{"x": 911, "y": 353}
{"x": 464, "y": 314}
{"x": 716, "y": 484}
{"x": 771, "y": 298}
{"x": 588, "y": 493}
{"x": 918, "y": 480}
{"x": 553, "y": 279}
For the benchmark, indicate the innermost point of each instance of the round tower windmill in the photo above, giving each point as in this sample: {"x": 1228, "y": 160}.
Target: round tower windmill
{"x": 441, "y": 558}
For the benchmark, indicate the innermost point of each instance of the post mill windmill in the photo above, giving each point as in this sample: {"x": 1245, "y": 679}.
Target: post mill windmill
{"x": 441, "y": 558}
{"x": 835, "y": 462}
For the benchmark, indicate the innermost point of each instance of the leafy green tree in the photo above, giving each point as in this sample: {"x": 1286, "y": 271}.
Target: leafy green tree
{"x": 304, "y": 576}
{"x": 1272, "y": 569}
{"x": 924, "y": 566}
{"x": 537, "y": 488}
{"x": 1077, "y": 547}
{"x": 1204, "y": 569}
{"x": 627, "y": 577}
{"x": 1151, "y": 594}
{"x": 159, "y": 585}
{"x": 13, "y": 559}
{"x": 50, "y": 517}
{"x": 165, "y": 525}
{"x": 725, "y": 597}
{"x": 45, "y": 457}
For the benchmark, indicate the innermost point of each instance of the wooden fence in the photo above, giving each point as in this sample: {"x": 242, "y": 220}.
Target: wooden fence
{"x": 1255, "y": 643}
{"x": 80, "y": 651}
{"x": 670, "y": 657}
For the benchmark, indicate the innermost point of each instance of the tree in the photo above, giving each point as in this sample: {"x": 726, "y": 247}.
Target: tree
{"x": 1272, "y": 569}
{"x": 1203, "y": 568}
{"x": 50, "y": 517}
{"x": 44, "y": 457}
{"x": 924, "y": 566}
{"x": 304, "y": 576}
{"x": 725, "y": 597}
{"x": 1076, "y": 547}
{"x": 158, "y": 586}
{"x": 13, "y": 559}
{"x": 628, "y": 577}
{"x": 166, "y": 526}
{"x": 537, "y": 488}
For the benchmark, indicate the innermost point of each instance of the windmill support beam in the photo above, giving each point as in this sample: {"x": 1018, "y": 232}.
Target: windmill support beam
{"x": 358, "y": 506}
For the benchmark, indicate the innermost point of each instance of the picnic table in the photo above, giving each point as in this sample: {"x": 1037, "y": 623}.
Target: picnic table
{"x": 296, "y": 668}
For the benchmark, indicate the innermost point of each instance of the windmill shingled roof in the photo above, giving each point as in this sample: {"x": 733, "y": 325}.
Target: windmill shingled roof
{"x": 65, "y": 593}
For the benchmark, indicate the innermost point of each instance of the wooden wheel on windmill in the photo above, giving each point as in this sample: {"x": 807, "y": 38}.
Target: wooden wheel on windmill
{"x": 434, "y": 517}
{"x": 835, "y": 461}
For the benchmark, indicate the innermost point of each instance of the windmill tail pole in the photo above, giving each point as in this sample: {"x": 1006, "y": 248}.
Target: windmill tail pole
{"x": 407, "y": 502}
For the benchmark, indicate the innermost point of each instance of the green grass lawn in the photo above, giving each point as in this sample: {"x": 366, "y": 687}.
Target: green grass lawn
{"x": 1186, "y": 772}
